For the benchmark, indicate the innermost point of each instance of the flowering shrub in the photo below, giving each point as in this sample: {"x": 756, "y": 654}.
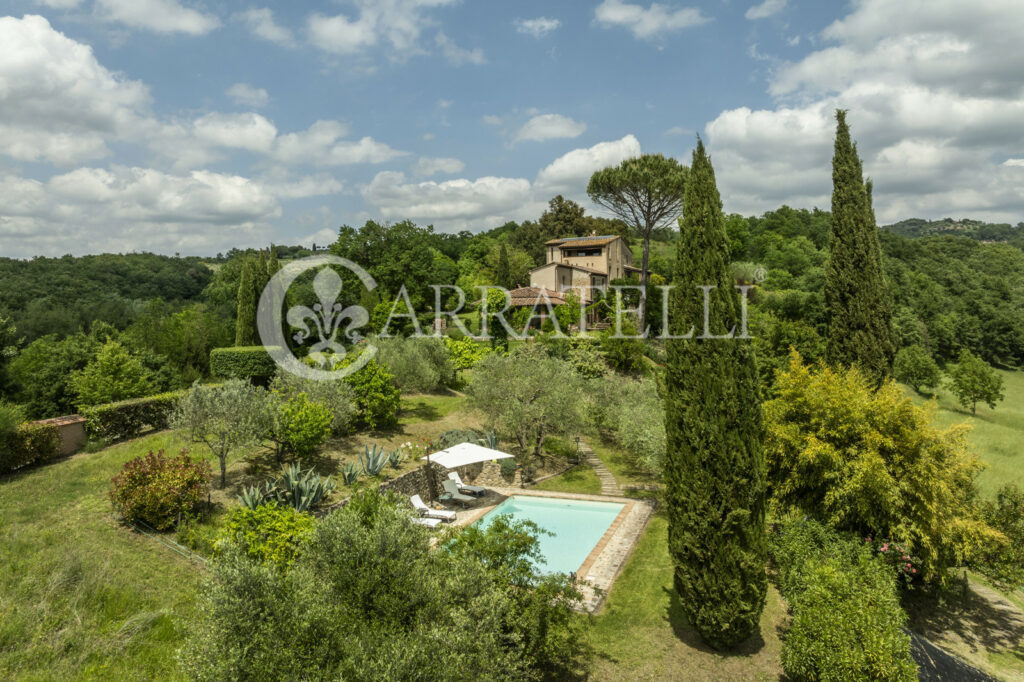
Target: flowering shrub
{"x": 158, "y": 490}
{"x": 898, "y": 557}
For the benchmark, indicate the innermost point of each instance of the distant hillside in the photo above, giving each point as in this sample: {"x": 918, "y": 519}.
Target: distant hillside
{"x": 975, "y": 229}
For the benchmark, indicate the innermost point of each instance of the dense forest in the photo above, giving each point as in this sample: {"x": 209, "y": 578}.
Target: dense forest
{"x": 954, "y": 286}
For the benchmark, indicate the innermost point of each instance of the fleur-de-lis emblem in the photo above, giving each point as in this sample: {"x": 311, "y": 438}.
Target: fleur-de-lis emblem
{"x": 327, "y": 317}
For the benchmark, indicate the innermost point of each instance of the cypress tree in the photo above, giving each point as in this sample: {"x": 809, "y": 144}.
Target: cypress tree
{"x": 503, "y": 271}
{"x": 714, "y": 469}
{"x": 273, "y": 265}
{"x": 857, "y": 303}
{"x": 245, "y": 319}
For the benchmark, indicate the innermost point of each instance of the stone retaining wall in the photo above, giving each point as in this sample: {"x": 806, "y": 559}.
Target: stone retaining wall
{"x": 424, "y": 481}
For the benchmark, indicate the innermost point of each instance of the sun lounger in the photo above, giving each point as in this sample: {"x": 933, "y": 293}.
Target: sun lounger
{"x": 468, "y": 489}
{"x": 424, "y": 510}
{"x": 429, "y": 523}
{"x": 453, "y": 492}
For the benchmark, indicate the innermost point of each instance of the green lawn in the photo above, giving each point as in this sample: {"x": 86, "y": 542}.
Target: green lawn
{"x": 579, "y": 479}
{"x": 996, "y": 435}
{"x": 642, "y": 634}
{"x": 80, "y": 595}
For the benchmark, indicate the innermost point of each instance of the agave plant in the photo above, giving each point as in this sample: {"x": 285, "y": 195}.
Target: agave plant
{"x": 303, "y": 490}
{"x": 373, "y": 461}
{"x": 349, "y": 473}
{"x": 490, "y": 440}
{"x": 395, "y": 458}
{"x": 251, "y": 497}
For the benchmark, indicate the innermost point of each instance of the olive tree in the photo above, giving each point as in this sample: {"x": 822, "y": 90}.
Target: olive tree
{"x": 223, "y": 417}
{"x": 647, "y": 193}
{"x": 527, "y": 396}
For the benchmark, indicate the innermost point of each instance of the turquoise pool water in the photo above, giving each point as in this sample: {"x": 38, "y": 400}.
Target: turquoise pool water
{"x": 576, "y": 525}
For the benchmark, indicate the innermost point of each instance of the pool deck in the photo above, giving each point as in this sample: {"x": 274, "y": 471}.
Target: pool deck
{"x": 605, "y": 561}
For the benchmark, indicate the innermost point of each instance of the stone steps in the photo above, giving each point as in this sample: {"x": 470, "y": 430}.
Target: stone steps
{"x": 609, "y": 484}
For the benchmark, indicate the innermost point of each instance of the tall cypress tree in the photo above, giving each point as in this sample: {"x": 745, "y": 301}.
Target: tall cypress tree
{"x": 245, "y": 319}
{"x": 714, "y": 470}
{"x": 857, "y": 302}
{"x": 503, "y": 271}
{"x": 273, "y": 264}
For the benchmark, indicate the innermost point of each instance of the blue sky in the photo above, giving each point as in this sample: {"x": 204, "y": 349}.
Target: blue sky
{"x": 190, "y": 126}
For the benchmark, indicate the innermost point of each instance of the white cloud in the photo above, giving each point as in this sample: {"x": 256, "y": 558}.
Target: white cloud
{"x": 492, "y": 120}
{"x": 573, "y": 170}
{"x": 458, "y": 55}
{"x": 765, "y": 9}
{"x": 678, "y": 130}
{"x": 260, "y": 22}
{"x": 428, "y": 166}
{"x": 450, "y": 200}
{"x": 429, "y": 136}
{"x": 473, "y": 203}
{"x": 550, "y": 127}
{"x": 159, "y": 16}
{"x": 935, "y": 93}
{"x": 59, "y": 104}
{"x": 241, "y": 131}
{"x": 538, "y": 28}
{"x": 123, "y": 209}
{"x": 399, "y": 23}
{"x": 1016, "y": 163}
{"x": 247, "y": 95}
{"x": 647, "y": 23}
{"x": 321, "y": 145}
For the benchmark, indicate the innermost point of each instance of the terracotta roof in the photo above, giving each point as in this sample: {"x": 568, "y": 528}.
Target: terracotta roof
{"x": 581, "y": 242}
{"x": 524, "y": 296}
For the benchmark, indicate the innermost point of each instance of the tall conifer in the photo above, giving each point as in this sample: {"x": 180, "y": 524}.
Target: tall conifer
{"x": 857, "y": 301}
{"x": 245, "y": 320}
{"x": 503, "y": 271}
{"x": 273, "y": 264}
{"x": 714, "y": 471}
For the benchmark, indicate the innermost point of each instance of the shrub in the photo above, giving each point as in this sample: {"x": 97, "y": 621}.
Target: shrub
{"x": 128, "y": 418}
{"x": 420, "y": 365}
{"x": 465, "y": 352}
{"x": 244, "y": 362}
{"x": 508, "y": 467}
{"x": 622, "y": 352}
{"x": 846, "y": 616}
{"x": 337, "y": 396}
{"x": 915, "y": 367}
{"x": 377, "y": 396}
{"x": 559, "y": 447}
{"x": 367, "y": 597}
{"x": 271, "y": 533}
{"x": 1004, "y": 561}
{"x": 300, "y": 426}
{"x": 159, "y": 490}
{"x": 871, "y": 462}
{"x": 25, "y": 443}
{"x": 114, "y": 374}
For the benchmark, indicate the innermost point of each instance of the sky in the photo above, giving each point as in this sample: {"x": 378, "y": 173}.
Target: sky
{"x": 194, "y": 126}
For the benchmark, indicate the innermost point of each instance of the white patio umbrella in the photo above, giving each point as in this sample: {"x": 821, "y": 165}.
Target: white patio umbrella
{"x": 463, "y": 454}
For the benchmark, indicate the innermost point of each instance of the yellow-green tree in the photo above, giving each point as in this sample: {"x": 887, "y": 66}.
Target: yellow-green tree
{"x": 871, "y": 462}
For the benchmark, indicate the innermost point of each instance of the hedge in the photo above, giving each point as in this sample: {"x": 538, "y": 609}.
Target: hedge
{"x": 29, "y": 444}
{"x": 847, "y": 622}
{"x": 128, "y": 418}
{"x": 243, "y": 362}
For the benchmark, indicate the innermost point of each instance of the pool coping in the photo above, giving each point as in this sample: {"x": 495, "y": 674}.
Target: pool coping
{"x": 602, "y": 566}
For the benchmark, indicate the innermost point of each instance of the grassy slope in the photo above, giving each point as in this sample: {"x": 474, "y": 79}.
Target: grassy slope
{"x": 642, "y": 634}
{"x": 579, "y": 479}
{"x": 80, "y": 595}
{"x": 996, "y": 435}
{"x": 83, "y": 597}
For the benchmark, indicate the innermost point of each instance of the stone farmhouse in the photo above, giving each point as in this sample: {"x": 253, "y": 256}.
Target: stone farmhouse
{"x": 578, "y": 265}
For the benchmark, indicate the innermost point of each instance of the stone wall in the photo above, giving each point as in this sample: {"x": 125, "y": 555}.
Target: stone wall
{"x": 71, "y": 430}
{"x": 490, "y": 477}
{"x": 424, "y": 481}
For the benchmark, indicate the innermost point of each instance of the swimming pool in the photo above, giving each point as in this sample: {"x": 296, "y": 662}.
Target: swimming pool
{"x": 577, "y": 526}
